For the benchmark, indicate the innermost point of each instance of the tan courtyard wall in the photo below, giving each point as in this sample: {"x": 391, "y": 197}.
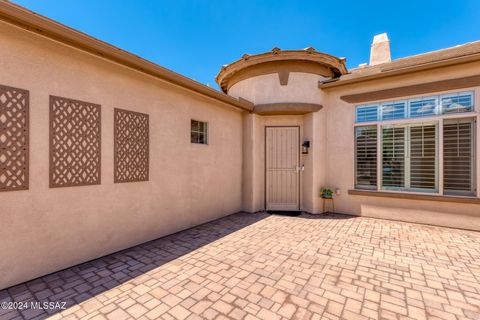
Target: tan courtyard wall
{"x": 340, "y": 156}
{"x": 43, "y": 230}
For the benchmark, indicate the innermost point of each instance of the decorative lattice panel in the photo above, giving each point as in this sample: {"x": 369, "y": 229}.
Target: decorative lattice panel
{"x": 13, "y": 139}
{"x": 75, "y": 142}
{"x": 131, "y": 146}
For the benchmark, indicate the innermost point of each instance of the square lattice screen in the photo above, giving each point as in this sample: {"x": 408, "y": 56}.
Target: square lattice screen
{"x": 131, "y": 146}
{"x": 14, "y": 125}
{"x": 75, "y": 143}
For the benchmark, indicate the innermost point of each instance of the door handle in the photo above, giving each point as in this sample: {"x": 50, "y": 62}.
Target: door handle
{"x": 300, "y": 168}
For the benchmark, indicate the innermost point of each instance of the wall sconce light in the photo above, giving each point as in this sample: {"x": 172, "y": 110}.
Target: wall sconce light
{"x": 305, "y": 146}
{"x": 338, "y": 191}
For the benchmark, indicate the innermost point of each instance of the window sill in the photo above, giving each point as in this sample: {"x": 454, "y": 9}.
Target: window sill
{"x": 414, "y": 196}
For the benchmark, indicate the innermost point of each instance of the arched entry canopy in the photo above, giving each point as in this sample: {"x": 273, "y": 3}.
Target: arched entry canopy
{"x": 281, "y": 62}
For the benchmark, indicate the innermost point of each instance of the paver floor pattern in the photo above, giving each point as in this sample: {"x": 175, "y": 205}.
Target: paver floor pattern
{"x": 257, "y": 266}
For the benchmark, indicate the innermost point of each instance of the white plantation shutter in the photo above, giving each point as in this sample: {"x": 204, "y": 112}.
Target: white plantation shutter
{"x": 423, "y": 157}
{"x": 393, "y": 155}
{"x": 409, "y": 157}
{"x": 458, "y": 156}
{"x": 366, "y": 157}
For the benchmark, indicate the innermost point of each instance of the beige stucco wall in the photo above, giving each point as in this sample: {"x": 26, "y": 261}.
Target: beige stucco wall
{"x": 43, "y": 230}
{"x": 340, "y": 156}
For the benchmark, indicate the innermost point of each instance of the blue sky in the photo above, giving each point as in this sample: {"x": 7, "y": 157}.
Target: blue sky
{"x": 195, "y": 38}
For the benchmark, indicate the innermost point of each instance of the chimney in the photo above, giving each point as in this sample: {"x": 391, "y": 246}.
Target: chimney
{"x": 380, "y": 50}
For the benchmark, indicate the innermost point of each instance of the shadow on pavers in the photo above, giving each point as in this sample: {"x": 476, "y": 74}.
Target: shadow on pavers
{"x": 84, "y": 281}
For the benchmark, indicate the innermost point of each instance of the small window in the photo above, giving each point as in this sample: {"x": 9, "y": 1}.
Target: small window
{"x": 367, "y": 113}
{"x": 393, "y": 110}
{"x": 423, "y": 107}
{"x": 459, "y": 102}
{"x": 199, "y": 132}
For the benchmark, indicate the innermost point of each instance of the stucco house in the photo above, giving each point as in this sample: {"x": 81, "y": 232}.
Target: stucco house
{"x": 101, "y": 150}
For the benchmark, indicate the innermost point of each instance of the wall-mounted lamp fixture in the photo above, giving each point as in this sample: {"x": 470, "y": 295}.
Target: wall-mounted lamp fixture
{"x": 338, "y": 191}
{"x": 305, "y": 146}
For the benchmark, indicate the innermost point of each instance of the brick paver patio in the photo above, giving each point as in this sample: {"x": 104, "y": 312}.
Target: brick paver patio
{"x": 256, "y": 266}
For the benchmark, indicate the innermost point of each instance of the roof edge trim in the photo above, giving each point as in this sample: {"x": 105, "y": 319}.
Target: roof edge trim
{"x": 401, "y": 71}
{"x": 413, "y": 90}
{"x": 286, "y": 108}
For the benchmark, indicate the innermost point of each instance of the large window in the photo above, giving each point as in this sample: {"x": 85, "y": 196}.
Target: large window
{"x": 434, "y": 155}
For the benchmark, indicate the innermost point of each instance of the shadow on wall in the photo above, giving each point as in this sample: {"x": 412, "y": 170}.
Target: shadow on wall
{"x": 303, "y": 215}
{"x": 328, "y": 216}
{"x": 84, "y": 281}
{"x": 435, "y": 215}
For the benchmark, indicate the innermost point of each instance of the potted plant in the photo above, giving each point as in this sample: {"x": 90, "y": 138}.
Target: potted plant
{"x": 326, "y": 193}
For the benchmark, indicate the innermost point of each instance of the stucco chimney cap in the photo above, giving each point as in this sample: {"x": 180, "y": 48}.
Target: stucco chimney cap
{"x": 380, "y": 50}
{"x": 380, "y": 38}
